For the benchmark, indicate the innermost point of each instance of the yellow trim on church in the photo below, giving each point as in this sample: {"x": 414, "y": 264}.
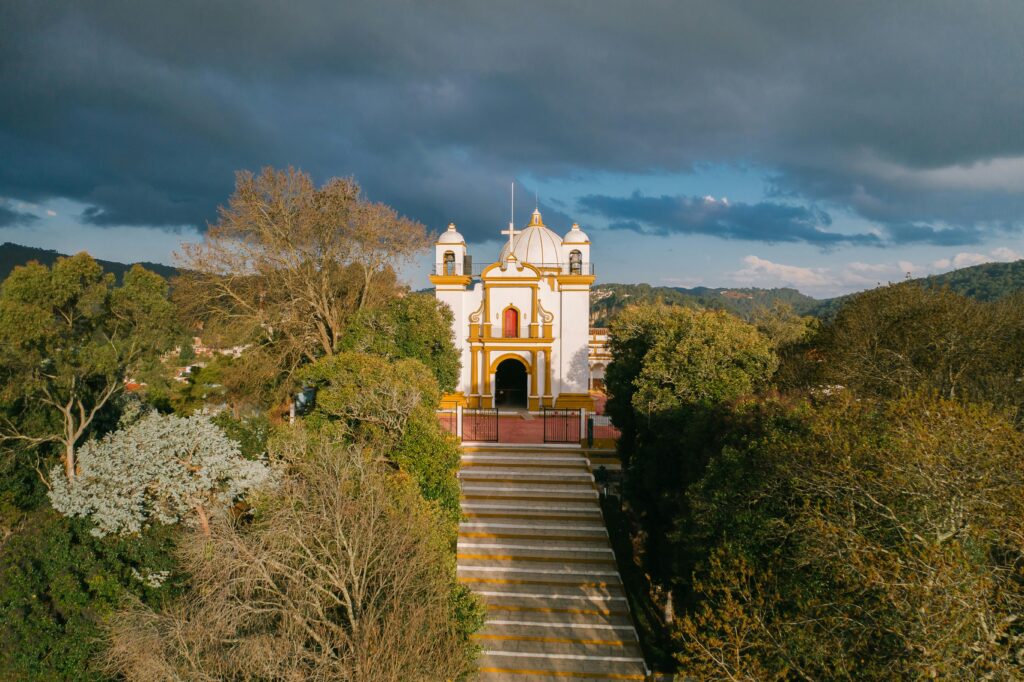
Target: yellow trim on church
{"x": 575, "y": 400}
{"x": 458, "y": 280}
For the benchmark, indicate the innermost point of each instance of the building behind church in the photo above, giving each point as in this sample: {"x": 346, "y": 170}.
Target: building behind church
{"x": 522, "y": 324}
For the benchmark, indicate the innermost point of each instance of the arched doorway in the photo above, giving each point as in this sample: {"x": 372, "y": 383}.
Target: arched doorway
{"x": 510, "y": 384}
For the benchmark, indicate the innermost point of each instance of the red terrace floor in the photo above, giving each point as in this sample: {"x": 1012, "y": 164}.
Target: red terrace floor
{"x": 523, "y": 428}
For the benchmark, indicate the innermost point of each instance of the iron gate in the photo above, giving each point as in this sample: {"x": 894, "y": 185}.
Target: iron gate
{"x": 480, "y": 424}
{"x": 561, "y": 425}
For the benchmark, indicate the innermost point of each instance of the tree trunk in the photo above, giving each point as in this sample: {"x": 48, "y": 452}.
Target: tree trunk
{"x": 204, "y": 522}
{"x": 69, "y": 460}
{"x": 367, "y": 277}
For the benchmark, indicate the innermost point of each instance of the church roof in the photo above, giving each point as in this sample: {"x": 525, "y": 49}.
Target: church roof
{"x": 535, "y": 244}
{"x": 450, "y": 236}
{"x": 576, "y": 236}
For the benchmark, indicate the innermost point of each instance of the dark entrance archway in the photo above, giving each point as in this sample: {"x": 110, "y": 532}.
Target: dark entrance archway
{"x": 510, "y": 384}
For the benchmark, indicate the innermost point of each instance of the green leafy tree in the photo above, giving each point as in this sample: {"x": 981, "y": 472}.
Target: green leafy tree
{"x": 674, "y": 374}
{"x": 389, "y": 405}
{"x": 161, "y": 469}
{"x": 665, "y": 358}
{"x": 414, "y": 326}
{"x": 881, "y": 539}
{"x": 58, "y": 582}
{"x": 69, "y": 338}
{"x": 906, "y": 337}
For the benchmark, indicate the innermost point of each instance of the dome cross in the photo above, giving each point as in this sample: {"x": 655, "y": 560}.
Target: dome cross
{"x": 511, "y": 232}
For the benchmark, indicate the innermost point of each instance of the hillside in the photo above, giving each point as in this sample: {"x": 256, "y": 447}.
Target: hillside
{"x": 12, "y": 255}
{"x": 608, "y": 299}
{"x": 986, "y": 282}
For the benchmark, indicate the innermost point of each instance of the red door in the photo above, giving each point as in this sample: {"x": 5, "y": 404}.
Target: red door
{"x": 511, "y": 323}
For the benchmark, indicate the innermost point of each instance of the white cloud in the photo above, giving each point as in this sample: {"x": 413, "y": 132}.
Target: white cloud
{"x": 856, "y": 275}
{"x": 760, "y": 270}
{"x": 858, "y": 266}
{"x": 1004, "y": 253}
{"x": 965, "y": 259}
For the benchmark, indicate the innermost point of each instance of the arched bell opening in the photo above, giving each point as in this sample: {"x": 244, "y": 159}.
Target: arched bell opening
{"x": 510, "y": 383}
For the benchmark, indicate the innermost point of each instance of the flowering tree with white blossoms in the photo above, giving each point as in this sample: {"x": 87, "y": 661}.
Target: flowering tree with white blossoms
{"x": 161, "y": 469}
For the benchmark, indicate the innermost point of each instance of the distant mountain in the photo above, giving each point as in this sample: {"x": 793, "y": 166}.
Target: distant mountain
{"x": 608, "y": 299}
{"x": 986, "y": 282}
{"x": 12, "y": 255}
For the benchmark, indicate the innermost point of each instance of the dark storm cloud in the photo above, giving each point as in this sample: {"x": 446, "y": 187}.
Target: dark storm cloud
{"x": 914, "y": 233}
{"x": 10, "y": 217}
{"x": 765, "y": 221}
{"x": 143, "y": 110}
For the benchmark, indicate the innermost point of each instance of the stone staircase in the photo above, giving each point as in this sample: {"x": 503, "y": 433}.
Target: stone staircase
{"x": 534, "y": 548}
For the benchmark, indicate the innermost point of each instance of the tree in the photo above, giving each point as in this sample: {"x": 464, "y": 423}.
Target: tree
{"x": 288, "y": 263}
{"x": 69, "y": 338}
{"x": 414, "y": 326}
{"x": 702, "y": 357}
{"x": 341, "y": 575}
{"x": 673, "y": 376}
{"x": 906, "y": 337}
{"x": 388, "y": 405}
{"x": 57, "y": 584}
{"x": 162, "y": 469}
{"x": 782, "y": 326}
{"x": 885, "y": 538}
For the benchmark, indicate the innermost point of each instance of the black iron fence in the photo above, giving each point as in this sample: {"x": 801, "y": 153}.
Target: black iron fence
{"x": 480, "y": 424}
{"x": 561, "y": 425}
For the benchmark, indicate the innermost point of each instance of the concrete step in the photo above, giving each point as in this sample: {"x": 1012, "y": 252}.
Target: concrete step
{"x": 534, "y": 483}
{"x": 575, "y": 531}
{"x": 534, "y": 549}
{"x": 590, "y": 613}
{"x": 543, "y": 620}
{"x": 568, "y": 544}
{"x": 522, "y": 448}
{"x": 521, "y": 558}
{"x": 615, "y": 667}
{"x": 525, "y": 475}
{"x": 483, "y": 578}
{"x": 562, "y": 511}
{"x": 514, "y": 460}
{"x": 610, "y": 592}
{"x": 527, "y": 625}
{"x": 526, "y": 550}
{"x": 546, "y": 494}
{"x": 477, "y": 573}
{"x": 589, "y": 526}
{"x": 543, "y": 642}
{"x": 556, "y": 602}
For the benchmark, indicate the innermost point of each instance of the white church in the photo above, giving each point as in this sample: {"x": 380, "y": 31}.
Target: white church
{"x": 523, "y": 326}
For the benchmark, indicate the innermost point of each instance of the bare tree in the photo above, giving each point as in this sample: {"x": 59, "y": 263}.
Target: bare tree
{"x": 287, "y": 263}
{"x": 344, "y": 575}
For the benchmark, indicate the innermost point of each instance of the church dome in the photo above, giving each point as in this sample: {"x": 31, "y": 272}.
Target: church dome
{"x": 450, "y": 236}
{"x": 535, "y": 244}
{"x": 576, "y": 236}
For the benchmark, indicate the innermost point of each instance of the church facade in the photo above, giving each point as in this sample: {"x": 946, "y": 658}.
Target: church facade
{"x": 522, "y": 326}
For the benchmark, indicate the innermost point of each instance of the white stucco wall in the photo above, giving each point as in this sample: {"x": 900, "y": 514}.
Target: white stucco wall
{"x": 573, "y": 337}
